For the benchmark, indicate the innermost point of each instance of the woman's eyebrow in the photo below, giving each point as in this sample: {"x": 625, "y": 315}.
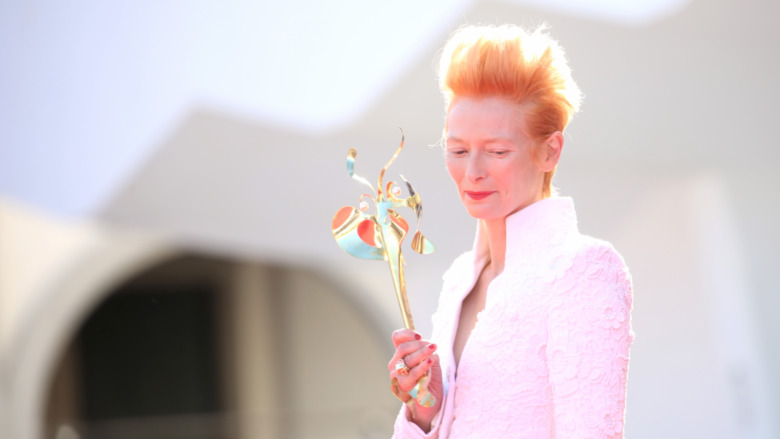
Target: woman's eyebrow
{"x": 496, "y": 139}
{"x": 453, "y": 139}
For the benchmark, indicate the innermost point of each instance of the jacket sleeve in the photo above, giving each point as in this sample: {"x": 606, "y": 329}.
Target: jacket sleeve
{"x": 589, "y": 339}
{"x": 404, "y": 429}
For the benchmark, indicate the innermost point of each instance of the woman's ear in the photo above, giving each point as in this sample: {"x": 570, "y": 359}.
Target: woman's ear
{"x": 552, "y": 148}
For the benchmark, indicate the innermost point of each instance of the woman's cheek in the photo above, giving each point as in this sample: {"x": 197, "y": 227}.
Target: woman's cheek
{"x": 452, "y": 169}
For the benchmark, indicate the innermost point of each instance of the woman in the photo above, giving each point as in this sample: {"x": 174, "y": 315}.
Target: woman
{"x": 532, "y": 332}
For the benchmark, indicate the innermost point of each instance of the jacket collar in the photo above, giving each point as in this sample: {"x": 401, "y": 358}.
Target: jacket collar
{"x": 529, "y": 229}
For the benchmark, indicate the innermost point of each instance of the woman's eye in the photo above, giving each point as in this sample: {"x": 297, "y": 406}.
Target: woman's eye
{"x": 500, "y": 152}
{"x": 458, "y": 152}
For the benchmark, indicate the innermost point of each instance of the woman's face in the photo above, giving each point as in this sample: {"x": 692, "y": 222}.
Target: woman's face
{"x": 491, "y": 159}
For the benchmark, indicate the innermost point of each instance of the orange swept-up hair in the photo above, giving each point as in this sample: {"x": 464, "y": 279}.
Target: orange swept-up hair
{"x": 528, "y": 68}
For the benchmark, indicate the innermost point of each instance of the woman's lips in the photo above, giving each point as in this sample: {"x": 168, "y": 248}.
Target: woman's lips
{"x": 478, "y": 195}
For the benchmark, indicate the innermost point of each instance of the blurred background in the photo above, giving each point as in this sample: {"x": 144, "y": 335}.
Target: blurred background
{"x": 169, "y": 171}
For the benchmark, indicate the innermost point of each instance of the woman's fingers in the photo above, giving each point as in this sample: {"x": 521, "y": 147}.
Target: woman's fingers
{"x": 412, "y": 353}
{"x": 413, "y": 358}
{"x": 404, "y": 335}
{"x": 419, "y": 355}
{"x": 406, "y": 342}
{"x": 407, "y": 383}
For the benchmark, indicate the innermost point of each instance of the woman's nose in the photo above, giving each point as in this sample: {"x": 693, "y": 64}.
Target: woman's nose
{"x": 475, "y": 168}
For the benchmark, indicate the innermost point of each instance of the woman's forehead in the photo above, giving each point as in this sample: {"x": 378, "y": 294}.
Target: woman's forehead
{"x": 489, "y": 118}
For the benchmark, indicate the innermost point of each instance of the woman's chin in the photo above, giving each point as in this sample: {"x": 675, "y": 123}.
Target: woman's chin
{"x": 481, "y": 214}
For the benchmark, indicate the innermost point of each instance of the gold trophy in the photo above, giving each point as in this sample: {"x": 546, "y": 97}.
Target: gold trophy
{"x": 379, "y": 236}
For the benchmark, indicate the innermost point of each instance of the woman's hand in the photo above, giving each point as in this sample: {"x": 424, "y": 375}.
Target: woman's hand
{"x": 420, "y": 357}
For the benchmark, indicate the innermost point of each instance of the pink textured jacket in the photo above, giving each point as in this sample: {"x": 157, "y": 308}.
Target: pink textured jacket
{"x": 548, "y": 357}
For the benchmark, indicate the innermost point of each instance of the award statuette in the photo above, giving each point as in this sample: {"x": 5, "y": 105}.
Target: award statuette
{"x": 379, "y": 236}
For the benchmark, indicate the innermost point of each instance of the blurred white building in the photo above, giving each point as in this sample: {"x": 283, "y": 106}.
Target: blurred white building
{"x": 168, "y": 173}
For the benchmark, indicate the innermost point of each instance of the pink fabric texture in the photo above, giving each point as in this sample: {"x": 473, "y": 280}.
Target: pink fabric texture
{"x": 548, "y": 357}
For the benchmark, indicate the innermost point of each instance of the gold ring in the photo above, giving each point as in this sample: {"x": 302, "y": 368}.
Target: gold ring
{"x": 401, "y": 367}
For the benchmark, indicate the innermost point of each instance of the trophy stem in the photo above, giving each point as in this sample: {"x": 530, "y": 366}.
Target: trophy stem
{"x": 397, "y": 272}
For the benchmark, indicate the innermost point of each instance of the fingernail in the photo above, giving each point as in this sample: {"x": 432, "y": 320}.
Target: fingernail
{"x": 430, "y": 360}
{"x": 432, "y": 346}
{"x": 417, "y": 336}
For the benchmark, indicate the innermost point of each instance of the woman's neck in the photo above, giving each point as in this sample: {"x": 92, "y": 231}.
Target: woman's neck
{"x": 496, "y": 239}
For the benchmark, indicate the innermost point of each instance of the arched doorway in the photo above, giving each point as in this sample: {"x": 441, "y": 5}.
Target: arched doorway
{"x": 204, "y": 347}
